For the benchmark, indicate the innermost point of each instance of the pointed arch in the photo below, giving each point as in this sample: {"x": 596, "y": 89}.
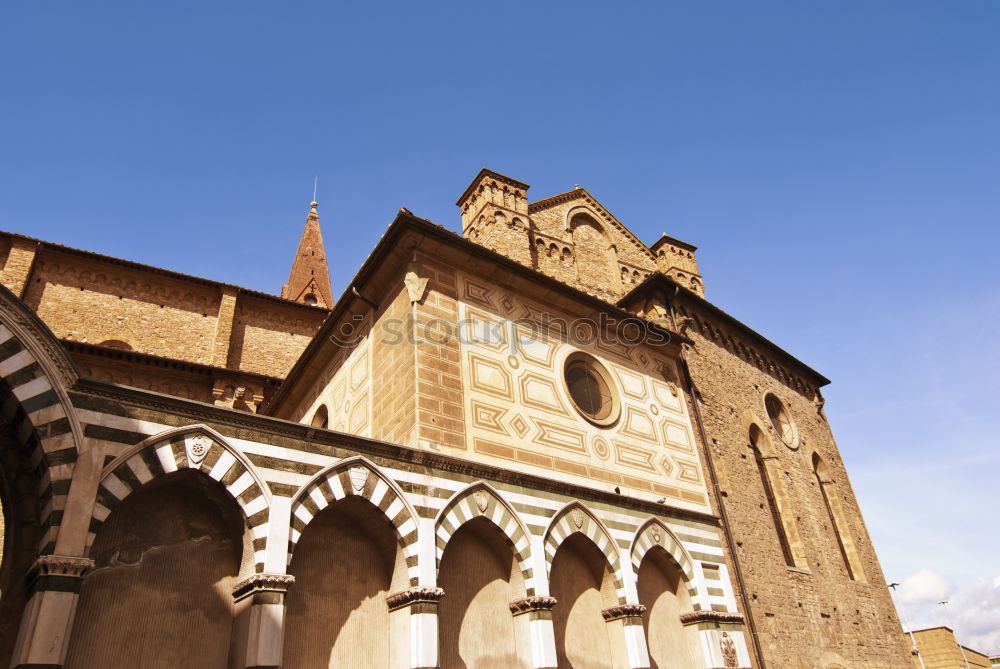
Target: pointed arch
{"x": 775, "y": 493}
{"x": 36, "y": 370}
{"x": 482, "y": 499}
{"x": 359, "y": 476}
{"x": 838, "y": 519}
{"x": 576, "y": 518}
{"x": 190, "y": 447}
{"x": 654, "y": 532}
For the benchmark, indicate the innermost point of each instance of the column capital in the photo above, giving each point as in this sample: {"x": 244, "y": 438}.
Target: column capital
{"x": 62, "y": 573}
{"x": 426, "y": 599}
{"x": 532, "y": 605}
{"x": 627, "y": 612}
{"x": 264, "y": 588}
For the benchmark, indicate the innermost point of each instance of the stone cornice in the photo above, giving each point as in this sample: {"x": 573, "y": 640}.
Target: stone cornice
{"x": 220, "y": 418}
{"x": 168, "y": 363}
{"x": 772, "y": 353}
{"x": 492, "y": 175}
{"x": 262, "y": 583}
{"x": 398, "y": 600}
{"x": 720, "y": 617}
{"x": 528, "y": 604}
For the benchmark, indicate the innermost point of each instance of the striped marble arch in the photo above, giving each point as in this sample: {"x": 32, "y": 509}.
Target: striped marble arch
{"x": 36, "y": 372}
{"x": 192, "y": 447}
{"x": 575, "y": 518}
{"x": 358, "y": 476}
{"x": 482, "y": 500}
{"x": 653, "y": 533}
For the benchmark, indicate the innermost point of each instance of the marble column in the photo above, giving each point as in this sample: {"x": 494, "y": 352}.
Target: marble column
{"x": 533, "y": 623}
{"x": 265, "y": 594}
{"x": 54, "y": 583}
{"x": 627, "y": 633}
{"x": 420, "y": 607}
{"x": 722, "y": 637}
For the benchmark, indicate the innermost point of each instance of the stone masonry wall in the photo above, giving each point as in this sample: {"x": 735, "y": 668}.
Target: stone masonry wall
{"x": 92, "y": 303}
{"x": 440, "y": 413}
{"x": 393, "y": 378}
{"x": 805, "y": 618}
{"x": 91, "y": 299}
{"x": 268, "y": 336}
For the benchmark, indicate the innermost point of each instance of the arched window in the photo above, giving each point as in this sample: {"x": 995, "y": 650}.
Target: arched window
{"x": 781, "y": 421}
{"x": 777, "y": 500}
{"x": 320, "y": 418}
{"x": 838, "y": 521}
{"x": 116, "y": 344}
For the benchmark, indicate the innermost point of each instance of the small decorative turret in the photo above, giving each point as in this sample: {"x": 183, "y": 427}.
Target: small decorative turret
{"x": 676, "y": 259}
{"x": 495, "y": 215}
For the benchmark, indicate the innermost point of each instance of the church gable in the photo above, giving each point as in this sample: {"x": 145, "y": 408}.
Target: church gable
{"x": 571, "y": 237}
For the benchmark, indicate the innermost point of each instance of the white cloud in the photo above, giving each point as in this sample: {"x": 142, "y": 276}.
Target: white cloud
{"x": 973, "y": 611}
{"x": 924, "y": 587}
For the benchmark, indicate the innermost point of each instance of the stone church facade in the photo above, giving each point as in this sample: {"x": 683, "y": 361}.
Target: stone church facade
{"x": 535, "y": 444}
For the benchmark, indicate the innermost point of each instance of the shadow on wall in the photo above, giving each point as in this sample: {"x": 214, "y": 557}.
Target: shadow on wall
{"x": 664, "y": 593}
{"x": 160, "y": 595}
{"x": 480, "y": 578}
{"x": 582, "y": 583}
{"x": 345, "y": 564}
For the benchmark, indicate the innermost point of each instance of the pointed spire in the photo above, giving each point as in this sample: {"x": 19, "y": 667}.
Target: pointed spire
{"x": 309, "y": 280}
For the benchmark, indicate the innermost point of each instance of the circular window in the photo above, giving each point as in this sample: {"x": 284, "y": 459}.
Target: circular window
{"x": 591, "y": 389}
{"x": 781, "y": 421}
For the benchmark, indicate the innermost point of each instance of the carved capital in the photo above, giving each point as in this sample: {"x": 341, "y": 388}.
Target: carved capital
{"x": 62, "y": 565}
{"x": 411, "y": 596}
{"x": 59, "y": 573}
{"x": 529, "y": 604}
{"x": 263, "y": 583}
{"x": 623, "y": 611}
{"x": 718, "y": 617}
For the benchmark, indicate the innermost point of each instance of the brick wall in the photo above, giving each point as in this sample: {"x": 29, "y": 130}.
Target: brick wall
{"x": 440, "y": 413}
{"x": 92, "y": 299}
{"x": 93, "y": 302}
{"x": 393, "y": 377}
{"x": 269, "y": 336}
{"x": 800, "y": 613}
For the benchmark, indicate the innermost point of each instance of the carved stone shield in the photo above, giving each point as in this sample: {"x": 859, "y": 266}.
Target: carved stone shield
{"x": 482, "y": 500}
{"x": 197, "y": 448}
{"x": 578, "y": 518}
{"x": 359, "y": 477}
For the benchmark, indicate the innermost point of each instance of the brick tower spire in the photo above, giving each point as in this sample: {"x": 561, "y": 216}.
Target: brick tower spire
{"x": 309, "y": 280}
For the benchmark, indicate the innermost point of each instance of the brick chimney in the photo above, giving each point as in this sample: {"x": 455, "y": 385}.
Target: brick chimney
{"x": 309, "y": 280}
{"x": 495, "y": 215}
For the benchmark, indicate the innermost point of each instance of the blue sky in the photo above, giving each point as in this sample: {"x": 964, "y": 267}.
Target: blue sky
{"x": 837, "y": 163}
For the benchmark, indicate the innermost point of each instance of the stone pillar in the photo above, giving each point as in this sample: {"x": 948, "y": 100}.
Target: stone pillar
{"x": 723, "y": 642}
{"x": 535, "y": 614}
{"x": 626, "y": 632}
{"x": 266, "y": 618}
{"x": 54, "y": 583}
{"x": 420, "y": 606}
